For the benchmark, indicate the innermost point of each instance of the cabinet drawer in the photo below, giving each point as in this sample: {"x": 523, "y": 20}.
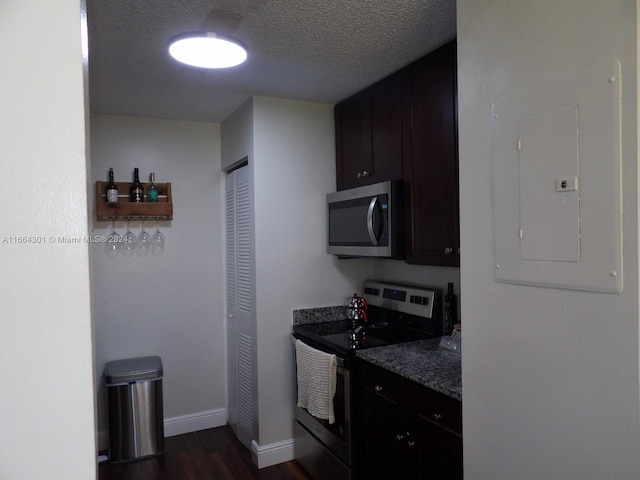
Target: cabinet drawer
{"x": 381, "y": 382}
{"x": 433, "y": 407}
{"x": 441, "y": 410}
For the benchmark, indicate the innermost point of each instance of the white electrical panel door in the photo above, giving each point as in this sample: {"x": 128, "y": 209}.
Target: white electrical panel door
{"x": 557, "y": 182}
{"x": 549, "y": 197}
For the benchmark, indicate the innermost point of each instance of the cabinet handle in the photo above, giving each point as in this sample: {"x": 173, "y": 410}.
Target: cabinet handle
{"x": 437, "y": 416}
{"x": 378, "y": 389}
{"x": 399, "y": 437}
{"x": 411, "y": 443}
{"x": 448, "y": 251}
{"x": 363, "y": 174}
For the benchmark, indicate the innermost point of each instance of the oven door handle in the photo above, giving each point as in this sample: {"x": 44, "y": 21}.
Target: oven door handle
{"x": 339, "y": 360}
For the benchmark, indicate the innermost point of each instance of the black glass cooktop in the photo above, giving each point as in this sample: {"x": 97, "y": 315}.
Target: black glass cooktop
{"x": 395, "y": 314}
{"x": 337, "y": 337}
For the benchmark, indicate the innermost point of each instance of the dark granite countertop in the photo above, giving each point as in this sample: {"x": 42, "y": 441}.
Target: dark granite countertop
{"x": 423, "y": 362}
{"x": 306, "y": 316}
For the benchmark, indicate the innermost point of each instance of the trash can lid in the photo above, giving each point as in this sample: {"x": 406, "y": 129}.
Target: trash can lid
{"x": 133, "y": 369}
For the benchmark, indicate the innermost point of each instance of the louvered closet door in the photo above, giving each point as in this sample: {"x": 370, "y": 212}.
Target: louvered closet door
{"x": 240, "y": 304}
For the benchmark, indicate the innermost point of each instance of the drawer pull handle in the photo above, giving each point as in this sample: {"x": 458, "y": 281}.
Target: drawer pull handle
{"x": 399, "y": 437}
{"x": 378, "y": 389}
{"x": 437, "y": 417}
{"x": 411, "y": 443}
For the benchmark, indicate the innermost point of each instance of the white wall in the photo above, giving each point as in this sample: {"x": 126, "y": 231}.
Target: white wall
{"x": 294, "y": 170}
{"x": 169, "y": 305}
{"x": 237, "y": 136}
{"x": 46, "y": 363}
{"x": 550, "y": 376}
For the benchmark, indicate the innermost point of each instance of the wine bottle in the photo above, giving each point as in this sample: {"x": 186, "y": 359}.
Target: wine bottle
{"x": 450, "y": 310}
{"x": 152, "y": 194}
{"x": 112, "y": 190}
{"x": 136, "y": 192}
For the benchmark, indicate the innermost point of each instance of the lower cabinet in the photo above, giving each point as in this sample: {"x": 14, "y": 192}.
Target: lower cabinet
{"x": 406, "y": 430}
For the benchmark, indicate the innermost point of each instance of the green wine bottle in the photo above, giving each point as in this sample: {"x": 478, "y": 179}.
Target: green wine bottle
{"x": 152, "y": 194}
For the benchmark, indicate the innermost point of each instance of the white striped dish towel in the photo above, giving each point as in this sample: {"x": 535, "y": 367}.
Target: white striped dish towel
{"x": 316, "y": 375}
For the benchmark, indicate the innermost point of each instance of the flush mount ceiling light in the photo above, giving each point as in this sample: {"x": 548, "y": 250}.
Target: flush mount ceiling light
{"x": 207, "y": 50}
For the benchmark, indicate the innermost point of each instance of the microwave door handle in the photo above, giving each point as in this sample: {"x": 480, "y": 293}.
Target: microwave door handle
{"x": 372, "y": 207}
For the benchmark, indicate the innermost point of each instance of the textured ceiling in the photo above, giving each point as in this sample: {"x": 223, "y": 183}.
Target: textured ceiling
{"x": 317, "y": 50}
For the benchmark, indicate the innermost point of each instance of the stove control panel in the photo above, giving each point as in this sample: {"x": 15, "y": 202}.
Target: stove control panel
{"x": 419, "y": 300}
{"x": 412, "y": 299}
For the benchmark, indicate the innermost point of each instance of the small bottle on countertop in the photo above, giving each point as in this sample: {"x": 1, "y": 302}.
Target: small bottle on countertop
{"x": 450, "y": 310}
{"x": 112, "y": 190}
{"x": 152, "y": 194}
{"x": 136, "y": 192}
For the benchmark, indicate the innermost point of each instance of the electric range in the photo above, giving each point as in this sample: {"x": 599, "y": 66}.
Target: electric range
{"x": 397, "y": 313}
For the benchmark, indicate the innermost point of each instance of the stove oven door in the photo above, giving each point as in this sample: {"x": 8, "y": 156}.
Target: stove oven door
{"x": 325, "y": 449}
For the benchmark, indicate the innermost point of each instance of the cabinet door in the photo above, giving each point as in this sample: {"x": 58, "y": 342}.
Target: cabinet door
{"x": 386, "y": 130}
{"x": 439, "y": 450}
{"x": 369, "y": 135}
{"x": 353, "y": 141}
{"x": 383, "y": 452}
{"x": 431, "y": 159}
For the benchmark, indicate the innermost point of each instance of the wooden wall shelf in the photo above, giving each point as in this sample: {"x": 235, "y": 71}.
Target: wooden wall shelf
{"x": 162, "y": 210}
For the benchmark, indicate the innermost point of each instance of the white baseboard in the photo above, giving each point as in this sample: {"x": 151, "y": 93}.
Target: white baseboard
{"x": 181, "y": 424}
{"x": 272, "y": 454}
{"x": 194, "y": 422}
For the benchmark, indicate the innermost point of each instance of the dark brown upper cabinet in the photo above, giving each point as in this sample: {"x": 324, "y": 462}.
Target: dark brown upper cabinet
{"x": 405, "y": 127}
{"x": 430, "y": 159}
{"x": 369, "y": 135}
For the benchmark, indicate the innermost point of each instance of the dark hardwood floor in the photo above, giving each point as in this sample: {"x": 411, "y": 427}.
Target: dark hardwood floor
{"x": 213, "y": 454}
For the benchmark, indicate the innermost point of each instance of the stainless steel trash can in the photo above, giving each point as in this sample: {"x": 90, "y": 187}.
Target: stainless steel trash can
{"x": 134, "y": 405}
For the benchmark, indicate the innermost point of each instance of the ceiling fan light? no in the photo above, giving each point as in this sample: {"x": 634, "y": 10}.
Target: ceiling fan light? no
{"x": 207, "y": 50}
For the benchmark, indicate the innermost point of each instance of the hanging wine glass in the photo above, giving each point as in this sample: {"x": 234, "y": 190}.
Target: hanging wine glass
{"x": 112, "y": 245}
{"x": 157, "y": 241}
{"x": 129, "y": 240}
{"x": 144, "y": 241}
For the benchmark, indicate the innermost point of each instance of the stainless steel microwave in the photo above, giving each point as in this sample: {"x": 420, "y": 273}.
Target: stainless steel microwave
{"x": 366, "y": 221}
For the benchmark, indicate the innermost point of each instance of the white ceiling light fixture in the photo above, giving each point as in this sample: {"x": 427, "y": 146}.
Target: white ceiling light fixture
{"x": 207, "y": 50}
